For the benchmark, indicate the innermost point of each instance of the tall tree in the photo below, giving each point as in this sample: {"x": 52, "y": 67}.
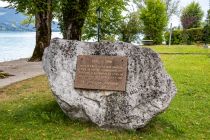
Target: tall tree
{"x": 42, "y": 10}
{"x": 192, "y": 15}
{"x": 43, "y": 19}
{"x": 72, "y": 18}
{"x": 154, "y": 19}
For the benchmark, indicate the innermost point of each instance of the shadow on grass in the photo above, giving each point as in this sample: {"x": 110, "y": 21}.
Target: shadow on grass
{"x": 49, "y": 113}
{"x": 45, "y": 113}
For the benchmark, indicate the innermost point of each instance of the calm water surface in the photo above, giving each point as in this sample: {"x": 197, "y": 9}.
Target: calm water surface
{"x": 16, "y": 45}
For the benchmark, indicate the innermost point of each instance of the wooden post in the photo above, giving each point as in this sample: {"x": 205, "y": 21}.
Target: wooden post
{"x": 169, "y": 44}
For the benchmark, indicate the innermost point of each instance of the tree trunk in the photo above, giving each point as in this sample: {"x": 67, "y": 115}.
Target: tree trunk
{"x": 43, "y": 20}
{"x": 126, "y": 39}
{"x": 74, "y": 14}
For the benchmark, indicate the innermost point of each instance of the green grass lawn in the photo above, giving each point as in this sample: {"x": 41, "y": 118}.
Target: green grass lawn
{"x": 29, "y": 111}
{"x": 180, "y": 49}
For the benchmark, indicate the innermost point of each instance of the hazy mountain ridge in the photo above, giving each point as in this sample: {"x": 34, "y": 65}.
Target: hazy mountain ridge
{"x": 10, "y": 20}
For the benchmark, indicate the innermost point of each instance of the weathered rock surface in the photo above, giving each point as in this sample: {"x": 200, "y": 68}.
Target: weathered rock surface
{"x": 149, "y": 89}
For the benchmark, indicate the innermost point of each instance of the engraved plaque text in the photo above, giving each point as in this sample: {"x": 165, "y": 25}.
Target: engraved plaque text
{"x": 101, "y": 72}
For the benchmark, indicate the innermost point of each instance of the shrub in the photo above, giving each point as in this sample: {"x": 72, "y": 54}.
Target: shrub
{"x": 176, "y": 37}
{"x": 189, "y": 36}
{"x": 195, "y": 35}
{"x": 206, "y": 34}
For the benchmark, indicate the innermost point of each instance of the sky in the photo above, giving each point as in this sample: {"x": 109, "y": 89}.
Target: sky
{"x": 204, "y": 5}
{"x": 174, "y": 20}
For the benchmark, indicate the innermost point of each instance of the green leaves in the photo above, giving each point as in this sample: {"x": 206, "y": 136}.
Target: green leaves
{"x": 31, "y": 7}
{"x": 188, "y": 36}
{"x": 192, "y": 15}
{"x": 154, "y": 19}
{"x": 112, "y": 15}
{"x": 131, "y": 26}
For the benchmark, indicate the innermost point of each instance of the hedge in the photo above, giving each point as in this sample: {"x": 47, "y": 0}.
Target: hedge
{"x": 189, "y": 36}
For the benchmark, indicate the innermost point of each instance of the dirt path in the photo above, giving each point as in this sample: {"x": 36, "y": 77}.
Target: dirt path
{"x": 21, "y": 69}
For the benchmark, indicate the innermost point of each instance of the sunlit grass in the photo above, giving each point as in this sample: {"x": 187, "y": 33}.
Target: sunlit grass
{"x": 180, "y": 49}
{"x": 29, "y": 111}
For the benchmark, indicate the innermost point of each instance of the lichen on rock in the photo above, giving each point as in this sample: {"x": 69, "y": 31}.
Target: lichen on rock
{"x": 149, "y": 89}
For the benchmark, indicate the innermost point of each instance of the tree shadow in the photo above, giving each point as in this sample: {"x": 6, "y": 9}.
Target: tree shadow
{"x": 50, "y": 113}
{"x": 45, "y": 113}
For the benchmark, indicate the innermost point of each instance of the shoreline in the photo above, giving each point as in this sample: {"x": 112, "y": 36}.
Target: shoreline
{"x": 21, "y": 69}
{"x": 19, "y": 59}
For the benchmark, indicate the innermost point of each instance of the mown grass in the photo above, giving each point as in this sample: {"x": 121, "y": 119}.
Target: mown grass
{"x": 180, "y": 49}
{"x": 29, "y": 111}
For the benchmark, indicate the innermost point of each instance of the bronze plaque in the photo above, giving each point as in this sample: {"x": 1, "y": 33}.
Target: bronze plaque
{"x": 101, "y": 72}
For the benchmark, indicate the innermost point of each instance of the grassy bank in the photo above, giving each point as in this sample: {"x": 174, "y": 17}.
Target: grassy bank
{"x": 29, "y": 111}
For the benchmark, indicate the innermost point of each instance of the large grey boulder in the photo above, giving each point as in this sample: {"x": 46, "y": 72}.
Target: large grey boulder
{"x": 149, "y": 89}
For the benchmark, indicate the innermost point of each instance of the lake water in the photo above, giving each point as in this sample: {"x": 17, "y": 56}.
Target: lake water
{"x": 16, "y": 45}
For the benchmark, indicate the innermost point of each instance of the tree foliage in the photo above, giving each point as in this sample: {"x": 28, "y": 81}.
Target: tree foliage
{"x": 206, "y": 29}
{"x": 111, "y": 17}
{"x": 130, "y": 27}
{"x": 72, "y": 14}
{"x": 191, "y": 16}
{"x": 154, "y": 19}
{"x": 172, "y": 6}
{"x": 188, "y": 36}
{"x": 31, "y": 7}
{"x": 208, "y": 15}
{"x": 206, "y": 33}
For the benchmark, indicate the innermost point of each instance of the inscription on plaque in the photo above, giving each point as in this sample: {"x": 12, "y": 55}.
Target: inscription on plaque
{"x": 101, "y": 72}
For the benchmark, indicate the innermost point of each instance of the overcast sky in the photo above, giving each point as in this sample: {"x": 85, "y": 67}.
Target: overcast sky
{"x": 175, "y": 20}
{"x": 204, "y": 4}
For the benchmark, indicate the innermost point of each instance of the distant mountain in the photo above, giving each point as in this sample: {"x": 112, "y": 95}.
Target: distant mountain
{"x": 10, "y": 20}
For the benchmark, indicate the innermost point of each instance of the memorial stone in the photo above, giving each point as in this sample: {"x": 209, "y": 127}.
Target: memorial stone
{"x": 90, "y": 83}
